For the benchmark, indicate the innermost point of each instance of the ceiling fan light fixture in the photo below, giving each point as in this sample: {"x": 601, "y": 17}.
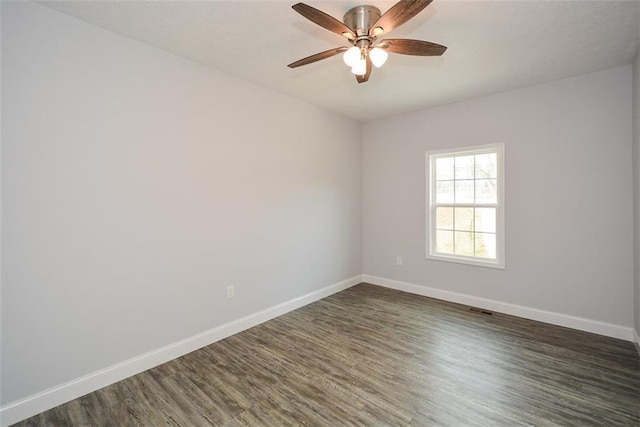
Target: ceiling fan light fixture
{"x": 360, "y": 67}
{"x": 378, "y": 56}
{"x": 351, "y": 56}
{"x": 362, "y": 25}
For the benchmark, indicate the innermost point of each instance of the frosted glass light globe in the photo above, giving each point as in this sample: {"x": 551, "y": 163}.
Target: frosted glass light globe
{"x": 378, "y": 56}
{"x": 359, "y": 68}
{"x": 351, "y": 56}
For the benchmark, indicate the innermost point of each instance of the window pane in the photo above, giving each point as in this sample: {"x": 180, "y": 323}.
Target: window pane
{"x": 487, "y": 165}
{"x": 444, "y": 218}
{"x": 464, "y": 167}
{"x": 485, "y": 245}
{"x": 464, "y": 219}
{"x": 464, "y": 243}
{"x": 485, "y": 220}
{"x": 464, "y": 191}
{"x": 444, "y": 241}
{"x": 444, "y": 168}
{"x": 444, "y": 191}
{"x": 487, "y": 191}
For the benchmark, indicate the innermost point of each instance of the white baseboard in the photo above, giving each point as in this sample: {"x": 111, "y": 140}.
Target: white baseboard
{"x": 636, "y": 341}
{"x": 601, "y": 328}
{"x": 47, "y": 399}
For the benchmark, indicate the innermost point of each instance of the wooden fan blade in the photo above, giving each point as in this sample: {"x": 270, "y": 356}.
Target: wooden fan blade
{"x": 399, "y": 13}
{"x": 317, "y": 57}
{"x": 324, "y": 20}
{"x": 412, "y": 47}
{"x": 365, "y": 78}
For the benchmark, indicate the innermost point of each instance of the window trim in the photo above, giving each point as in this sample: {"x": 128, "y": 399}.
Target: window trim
{"x": 430, "y": 206}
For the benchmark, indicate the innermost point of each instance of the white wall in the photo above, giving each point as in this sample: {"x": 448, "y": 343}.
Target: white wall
{"x": 137, "y": 185}
{"x": 636, "y": 199}
{"x": 568, "y": 196}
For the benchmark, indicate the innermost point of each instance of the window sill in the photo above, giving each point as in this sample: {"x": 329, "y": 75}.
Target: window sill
{"x": 468, "y": 261}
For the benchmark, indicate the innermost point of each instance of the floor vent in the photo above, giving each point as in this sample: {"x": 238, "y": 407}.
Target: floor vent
{"x": 481, "y": 311}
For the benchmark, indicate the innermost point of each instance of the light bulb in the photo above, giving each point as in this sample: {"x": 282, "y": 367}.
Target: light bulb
{"x": 359, "y": 68}
{"x": 351, "y": 56}
{"x": 378, "y": 56}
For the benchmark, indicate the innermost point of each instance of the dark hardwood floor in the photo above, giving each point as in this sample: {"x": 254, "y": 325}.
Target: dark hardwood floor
{"x": 378, "y": 357}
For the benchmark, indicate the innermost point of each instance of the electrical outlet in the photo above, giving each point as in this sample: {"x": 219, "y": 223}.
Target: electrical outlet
{"x": 230, "y": 292}
{"x": 399, "y": 260}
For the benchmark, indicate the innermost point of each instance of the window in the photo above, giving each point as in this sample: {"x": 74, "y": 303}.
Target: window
{"x": 465, "y": 205}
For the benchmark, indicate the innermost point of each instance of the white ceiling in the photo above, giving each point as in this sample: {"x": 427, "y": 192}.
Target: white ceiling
{"x": 493, "y": 46}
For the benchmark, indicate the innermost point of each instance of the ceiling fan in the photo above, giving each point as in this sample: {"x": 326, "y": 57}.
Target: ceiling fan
{"x": 362, "y": 27}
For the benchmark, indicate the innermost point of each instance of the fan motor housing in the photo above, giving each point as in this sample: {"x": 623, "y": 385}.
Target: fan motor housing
{"x": 361, "y": 18}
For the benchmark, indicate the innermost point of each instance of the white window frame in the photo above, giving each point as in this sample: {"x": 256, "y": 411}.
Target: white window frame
{"x": 431, "y": 205}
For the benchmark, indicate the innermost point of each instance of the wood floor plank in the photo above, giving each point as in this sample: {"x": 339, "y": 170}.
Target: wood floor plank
{"x": 376, "y": 357}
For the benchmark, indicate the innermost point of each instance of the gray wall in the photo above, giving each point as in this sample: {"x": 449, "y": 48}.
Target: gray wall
{"x": 636, "y": 198}
{"x": 137, "y": 185}
{"x": 569, "y": 196}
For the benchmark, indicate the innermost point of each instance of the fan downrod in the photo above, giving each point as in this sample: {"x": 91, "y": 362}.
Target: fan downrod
{"x": 361, "y": 18}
